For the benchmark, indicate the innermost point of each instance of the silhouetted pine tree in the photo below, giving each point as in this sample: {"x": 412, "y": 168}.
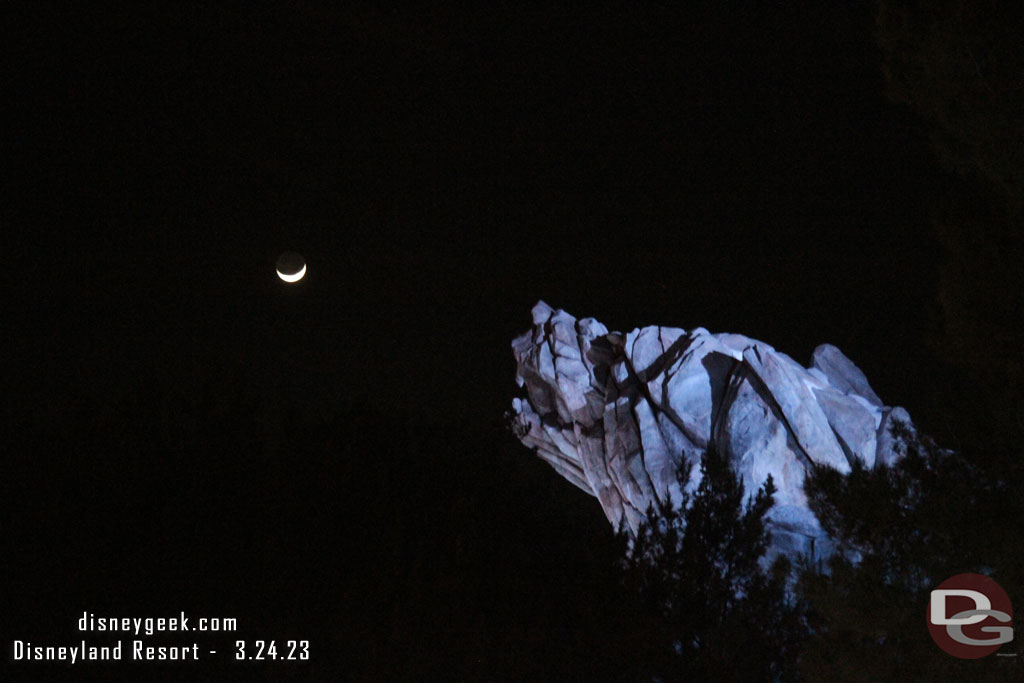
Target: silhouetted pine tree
{"x": 903, "y": 530}
{"x": 715, "y": 614}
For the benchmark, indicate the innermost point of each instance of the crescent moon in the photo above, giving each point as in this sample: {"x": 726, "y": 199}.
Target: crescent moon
{"x": 294, "y": 277}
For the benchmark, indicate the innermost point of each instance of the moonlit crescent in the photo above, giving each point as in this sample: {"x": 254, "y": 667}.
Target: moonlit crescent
{"x": 294, "y": 277}
{"x": 291, "y": 266}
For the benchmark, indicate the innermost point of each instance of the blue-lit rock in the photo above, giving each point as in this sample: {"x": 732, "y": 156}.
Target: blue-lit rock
{"x": 616, "y": 414}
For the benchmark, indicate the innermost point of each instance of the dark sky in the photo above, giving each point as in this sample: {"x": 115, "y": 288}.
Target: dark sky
{"x": 441, "y": 170}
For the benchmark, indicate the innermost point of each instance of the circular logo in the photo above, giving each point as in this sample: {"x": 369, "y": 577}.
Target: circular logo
{"x": 969, "y": 616}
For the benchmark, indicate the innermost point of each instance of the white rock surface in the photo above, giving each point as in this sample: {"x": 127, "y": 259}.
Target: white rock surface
{"x": 616, "y": 414}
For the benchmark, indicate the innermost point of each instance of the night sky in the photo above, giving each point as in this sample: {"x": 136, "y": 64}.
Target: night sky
{"x": 441, "y": 170}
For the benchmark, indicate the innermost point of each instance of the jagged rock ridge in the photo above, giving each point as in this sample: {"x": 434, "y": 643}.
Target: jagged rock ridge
{"x": 615, "y": 414}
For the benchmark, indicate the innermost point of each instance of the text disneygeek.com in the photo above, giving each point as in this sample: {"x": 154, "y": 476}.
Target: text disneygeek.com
{"x": 137, "y": 649}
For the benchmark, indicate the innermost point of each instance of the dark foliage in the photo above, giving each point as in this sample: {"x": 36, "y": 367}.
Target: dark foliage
{"x": 903, "y": 529}
{"x": 714, "y": 613}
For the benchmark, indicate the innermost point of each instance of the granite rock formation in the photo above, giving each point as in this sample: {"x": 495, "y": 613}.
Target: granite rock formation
{"x": 615, "y": 414}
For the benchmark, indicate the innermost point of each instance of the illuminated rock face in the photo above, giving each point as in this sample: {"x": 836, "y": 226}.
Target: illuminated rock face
{"x": 616, "y": 414}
